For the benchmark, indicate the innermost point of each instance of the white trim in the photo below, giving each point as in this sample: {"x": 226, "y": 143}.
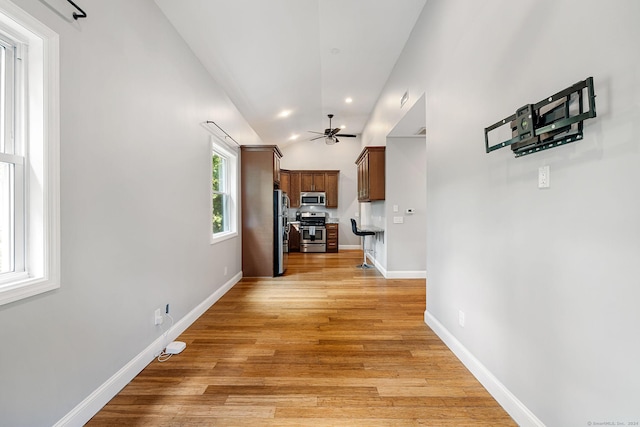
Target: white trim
{"x": 92, "y": 404}
{"x": 349, "y": 247}
{"x": 221, "y": 237}
{"x": 44, "y": 221}
{"x": 514, "y": 407}
{"x": 219, "y": 147}
{"x": 406, "y": 274}
{"x": 377, "y": 265}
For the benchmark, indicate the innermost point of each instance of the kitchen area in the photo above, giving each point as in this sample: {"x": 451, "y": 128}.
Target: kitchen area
{"x": 308, "y": 202}
{"x": 312, "y": 227}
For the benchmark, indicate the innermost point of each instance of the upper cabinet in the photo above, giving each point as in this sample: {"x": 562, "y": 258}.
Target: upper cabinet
{"x": 371, "y": 172}
{"x": 331, "y": 188}
{"x": 294, "y": 187}
{"x": 285, "y": 181}
{"x": 313, "y": 180}
{"x": 262, "y": 157}
{"x": 276, "y": 166}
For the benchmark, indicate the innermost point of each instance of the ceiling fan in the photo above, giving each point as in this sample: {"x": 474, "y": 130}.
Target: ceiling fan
{"x": 331, "y": 135}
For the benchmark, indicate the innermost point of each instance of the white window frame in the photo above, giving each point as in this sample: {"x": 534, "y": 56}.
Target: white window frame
{"x": 39, "y": 128}
{"x": 221, "y": 149}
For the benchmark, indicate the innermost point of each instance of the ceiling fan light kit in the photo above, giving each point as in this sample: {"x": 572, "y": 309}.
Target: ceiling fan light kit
{"x": 330, "y": 134}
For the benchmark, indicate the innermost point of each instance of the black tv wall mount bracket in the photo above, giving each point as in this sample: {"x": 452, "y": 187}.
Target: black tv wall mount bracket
{"x": 554, "y": 121}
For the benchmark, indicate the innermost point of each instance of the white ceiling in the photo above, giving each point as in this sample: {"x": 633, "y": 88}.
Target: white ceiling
{"x": 302, "y": 56}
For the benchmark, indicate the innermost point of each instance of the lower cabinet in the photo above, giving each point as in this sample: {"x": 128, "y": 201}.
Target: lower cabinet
{"x": 332, "y": 237}
{"x": 294, "y": 239}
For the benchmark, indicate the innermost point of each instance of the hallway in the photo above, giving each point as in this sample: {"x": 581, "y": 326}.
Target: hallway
{"x": 326, "y": 344}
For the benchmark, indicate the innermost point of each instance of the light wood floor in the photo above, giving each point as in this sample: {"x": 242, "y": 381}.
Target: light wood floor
{"x": 325, "y": 345}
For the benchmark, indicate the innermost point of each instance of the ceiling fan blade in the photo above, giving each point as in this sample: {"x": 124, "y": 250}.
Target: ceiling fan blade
{"x": 330, "y": 134}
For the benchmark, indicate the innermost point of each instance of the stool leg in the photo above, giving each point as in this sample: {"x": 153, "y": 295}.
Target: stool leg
{"x": 364, "y": 264}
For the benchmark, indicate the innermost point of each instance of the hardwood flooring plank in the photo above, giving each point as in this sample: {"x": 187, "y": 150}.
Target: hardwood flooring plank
{"x": 326, "y": 344}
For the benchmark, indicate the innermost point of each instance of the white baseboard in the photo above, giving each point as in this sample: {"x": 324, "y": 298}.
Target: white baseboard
{"x": 406, "y": 275}
{"x": 90, "y": 406}
{"x": 514, "y": 407}
{"x": 349, "y": 247}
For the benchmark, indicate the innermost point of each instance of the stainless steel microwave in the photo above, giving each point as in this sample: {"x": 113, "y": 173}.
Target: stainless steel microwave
{"x": 312, "y": 199}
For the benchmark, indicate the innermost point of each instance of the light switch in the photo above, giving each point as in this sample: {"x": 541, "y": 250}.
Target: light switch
{"x": 543, "y": 177}
{"x": 395, "y": 208}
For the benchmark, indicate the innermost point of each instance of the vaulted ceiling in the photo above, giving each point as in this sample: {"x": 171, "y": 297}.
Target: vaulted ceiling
{"x": 287, "y": 64}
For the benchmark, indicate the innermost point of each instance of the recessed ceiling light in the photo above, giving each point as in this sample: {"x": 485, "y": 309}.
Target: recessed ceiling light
{"x": 343, "y": 126}
{"x": 348, "y": 100}
{"x": 284, "y": 113}
{"x": 293, "y": 137}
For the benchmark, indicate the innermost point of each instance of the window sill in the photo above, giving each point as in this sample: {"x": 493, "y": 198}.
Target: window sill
{"x": 17, "y": 290}
{"x": 221, "y": 237}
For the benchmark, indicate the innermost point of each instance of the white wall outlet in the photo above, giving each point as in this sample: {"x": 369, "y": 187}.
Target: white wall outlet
{"x": 461, "y": 318}
{"x": 356, "y": 214}
{"x": 158, "y": 317}
{"x": 225, "y": 270}
{"x": 398, "y": 220}
{"x": 543, "y": 177}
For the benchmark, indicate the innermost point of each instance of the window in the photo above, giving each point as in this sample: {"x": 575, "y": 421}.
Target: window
{"x": 12, "y": 159}
{"x": 224, "y": 179}
{"x": 29, "y": 135}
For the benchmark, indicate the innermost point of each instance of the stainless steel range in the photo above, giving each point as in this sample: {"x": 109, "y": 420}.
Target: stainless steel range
{"x": 313, "y": 233}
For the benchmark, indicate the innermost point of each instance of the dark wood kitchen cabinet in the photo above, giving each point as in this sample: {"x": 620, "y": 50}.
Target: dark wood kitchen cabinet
{"x": 314, "y": 180}
{"x": 331, "y": 188}
{"x": 294, "y": 187}
{"x": 332, "y": 237}
{"x": 259, "y": 169}
{"x": 285, "y": 181}
{"x": 276, "y": 167}
{"x": 294, "y": 239}
{"x": 371, "y": 174}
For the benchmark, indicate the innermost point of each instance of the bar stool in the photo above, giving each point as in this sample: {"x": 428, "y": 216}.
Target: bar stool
{"x": 362, "y": 234}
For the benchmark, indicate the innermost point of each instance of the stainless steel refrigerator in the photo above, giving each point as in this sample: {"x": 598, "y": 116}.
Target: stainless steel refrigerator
{"x": 281, "y": 231}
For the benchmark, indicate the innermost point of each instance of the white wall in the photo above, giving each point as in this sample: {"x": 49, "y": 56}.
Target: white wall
{"x": 400, "y": 252}
{"x": 316, "y": 155}
{"x": 406, "y": 183}
{"x": 135, "y": 212}
{"x": 548, "y": 279}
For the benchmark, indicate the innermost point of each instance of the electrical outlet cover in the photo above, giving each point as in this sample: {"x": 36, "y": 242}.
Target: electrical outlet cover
{"x": 158, "y": 317}
{"x": 543, "y": 177}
